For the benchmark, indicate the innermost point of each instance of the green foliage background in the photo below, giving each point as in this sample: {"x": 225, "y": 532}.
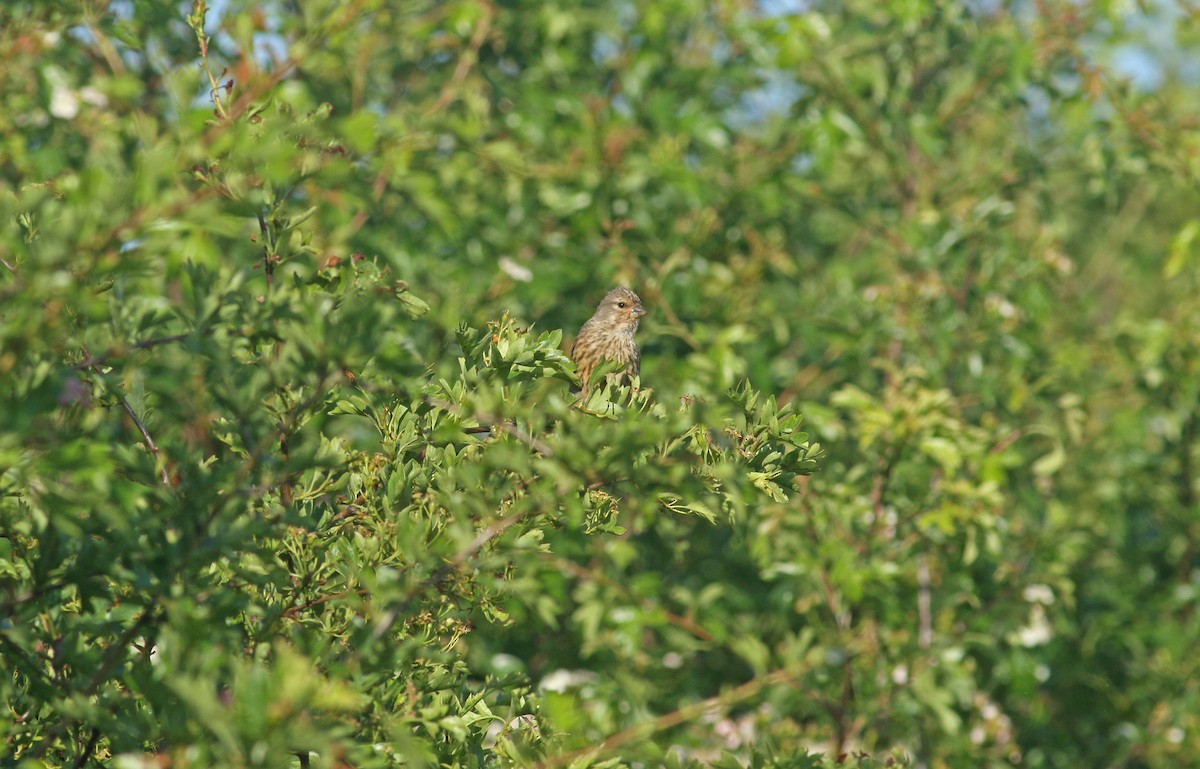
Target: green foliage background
{"x": 291, "y": 474}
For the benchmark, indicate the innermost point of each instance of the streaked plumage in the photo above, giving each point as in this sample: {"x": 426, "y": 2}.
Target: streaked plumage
{"x": 608, "y": 335}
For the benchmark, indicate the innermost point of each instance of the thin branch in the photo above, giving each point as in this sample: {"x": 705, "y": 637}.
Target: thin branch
{"x": 33, "y": 669}
{"x": 141, "y": 426}
{"x": 268, "y": 257}
{"x": 656, "y": 297}
{"x": 95, "y": 21}
{"x": 468, "y": 59}
{"x": 841, "y": 725}
{"x": 202, "y": 39}
{"x": 677, "y": 620}
{"x": 1187, "y": 491}
{"x": 9, "y": 266}
{"x": 879, "y": 488}
{"x": 114, "y": 651}
{"x": 146, "y": 344}
{"x": 486, "y": 535}
{"x": 495, "y": 423}
{"x": 1008, "y": 440}
{"x": 511, "y": 429}
{"x": 924, "y": 605}
{"x": 669, "y": 720}
{"x": 166, "y": 478}
{"x": 292, "y": 611}
{"x": 12, "y": 603}
{"x": 88, "y": 749}
{"x": 91, "y": 361}
{"x": 350, "y": 13}
{"x": 842, "y": 617}
{"x": 1186, "y": 478}
{"x": 249, "y": 95}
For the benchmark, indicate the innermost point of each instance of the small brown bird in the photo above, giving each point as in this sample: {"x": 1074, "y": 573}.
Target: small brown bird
{"x": 608, "y": 335}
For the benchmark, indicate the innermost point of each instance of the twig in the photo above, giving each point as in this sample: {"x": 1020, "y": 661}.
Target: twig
{"x": 1187, "y": 493}
{"x": 583, "y": 573}
{"x": 879, "y": 487}
{"x": 268, "y": 257}
{"x": 491, "y": 422}
{"x": 141, "y": 426}
{"x": 8, "y": 265}
{"x": 493, "y": 530}
{"x": 841, "y": 726}
{"x": 115, "y": 650}
{"x": 524, "y": 437}
{"x": 675, "y": 718}
{"x": 924, "y": 641}
{"x": 842, "y": 617}
{"x": 94, "y": 19}
{"x": 12, "y": 603}
{"x": 91, "y": 361}
{"x": 1006, "y": 441}
{"x": 681, "y": 330}
{"x": 202, "y": 41}
{"x": 924, "y": 609}
{"x": 86, "y": 753}
{"x": 468, "y": 58}
{"x": 166, "y": 478}
{"x": 292, "y": 611}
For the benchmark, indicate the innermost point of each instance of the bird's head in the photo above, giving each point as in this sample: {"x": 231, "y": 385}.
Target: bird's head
{"x": 622, "y": 308}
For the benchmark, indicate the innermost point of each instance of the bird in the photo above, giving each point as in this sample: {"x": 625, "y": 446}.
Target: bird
{"x": 608, "y": 335}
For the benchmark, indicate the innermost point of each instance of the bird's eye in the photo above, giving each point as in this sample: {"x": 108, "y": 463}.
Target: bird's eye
{"x": 621, "y": 305}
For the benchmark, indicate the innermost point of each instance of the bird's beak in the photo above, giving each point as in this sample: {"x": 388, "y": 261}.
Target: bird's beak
{"x": 639, "y": 311}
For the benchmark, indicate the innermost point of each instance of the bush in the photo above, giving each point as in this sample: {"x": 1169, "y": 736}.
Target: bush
{"x": 293, "y": 475}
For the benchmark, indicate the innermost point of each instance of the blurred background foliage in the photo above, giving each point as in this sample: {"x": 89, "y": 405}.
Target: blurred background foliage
{"x": 290, "y": 472}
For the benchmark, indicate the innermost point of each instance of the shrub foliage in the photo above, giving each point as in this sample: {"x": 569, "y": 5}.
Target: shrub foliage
{"x": 291, "y": 468}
